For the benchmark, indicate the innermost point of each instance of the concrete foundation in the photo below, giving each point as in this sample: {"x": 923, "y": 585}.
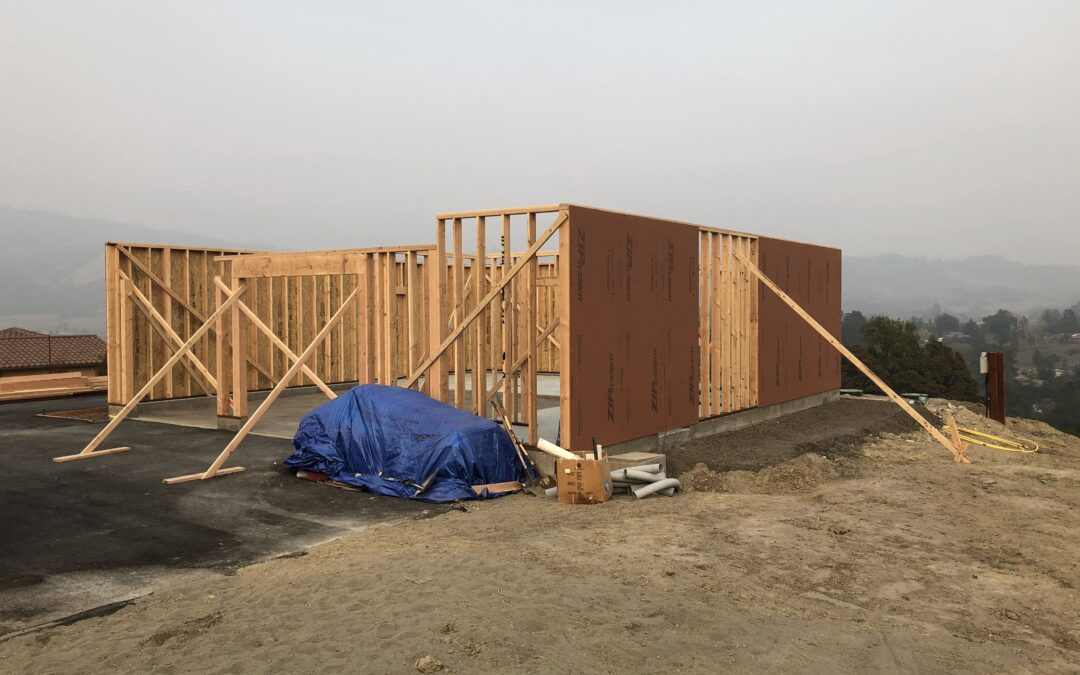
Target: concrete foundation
{"x": 723, "y": 423}
{"x": 284, "y": 416}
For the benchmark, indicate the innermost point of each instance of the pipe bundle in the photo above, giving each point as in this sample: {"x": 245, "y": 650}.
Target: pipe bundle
{"x": 644, "y": 480}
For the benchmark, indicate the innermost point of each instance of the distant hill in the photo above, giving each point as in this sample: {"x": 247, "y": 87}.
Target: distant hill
{"x": 52, "y": 267}
{"x": 52, "y": 276}
{"x": 902, "y": 286}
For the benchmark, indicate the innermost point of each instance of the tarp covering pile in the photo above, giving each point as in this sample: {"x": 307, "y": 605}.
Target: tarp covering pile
{"x": 388, "y": 440}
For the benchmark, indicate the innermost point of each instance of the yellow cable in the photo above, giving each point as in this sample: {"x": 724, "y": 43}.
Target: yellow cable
{"x": 979, "y": 438}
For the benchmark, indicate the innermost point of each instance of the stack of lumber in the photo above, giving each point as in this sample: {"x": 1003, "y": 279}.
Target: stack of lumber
{"x": 52, "y": 385}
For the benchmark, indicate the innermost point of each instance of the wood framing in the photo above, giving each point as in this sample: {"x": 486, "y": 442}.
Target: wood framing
{"x": 727, "y": 324}
{"x": 215, "y": 468}
{"x": 472, "y": 318}
{"x": 91, "y": 448}
{"x": 491, "y": 314}
{"x": 373, "y": 342}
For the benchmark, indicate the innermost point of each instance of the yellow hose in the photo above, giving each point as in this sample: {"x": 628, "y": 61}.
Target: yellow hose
{"x": 979, "y": 438}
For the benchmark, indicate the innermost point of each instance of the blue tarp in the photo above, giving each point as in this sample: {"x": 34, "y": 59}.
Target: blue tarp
{"x": 388, "y": 440}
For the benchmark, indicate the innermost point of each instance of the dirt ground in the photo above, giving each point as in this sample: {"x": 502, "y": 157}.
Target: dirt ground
{"x": 886, "y": 558}
{"x": 836, "y": 431}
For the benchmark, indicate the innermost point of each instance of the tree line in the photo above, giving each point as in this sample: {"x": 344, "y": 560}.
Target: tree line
{"x": 939, "y": 356}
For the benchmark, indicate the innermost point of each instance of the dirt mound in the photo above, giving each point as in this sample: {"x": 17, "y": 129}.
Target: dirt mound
{"x": 970, "y": 416}
{"x": 800, "y": 474}
{"x": 835, "y": 430}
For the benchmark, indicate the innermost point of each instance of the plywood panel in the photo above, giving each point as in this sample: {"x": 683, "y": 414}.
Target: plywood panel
{"x": 794, "y": 360}
{"x": 633, "y": 326}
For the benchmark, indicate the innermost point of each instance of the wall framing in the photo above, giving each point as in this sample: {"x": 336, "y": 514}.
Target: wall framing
{"x": 476, "y": 316}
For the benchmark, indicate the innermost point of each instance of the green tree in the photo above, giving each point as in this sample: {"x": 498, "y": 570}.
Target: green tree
{"x": 947, "y": 373}
{"x": 851, "y": 327}
{"x": 973, "y": 330}
{"x": 1070, "y": 323}
{"x": 1051, "y": 318}
{"x": 946, "y": 323}
{"x": 1000, "y": 326}
{"x": 891, "y": 348}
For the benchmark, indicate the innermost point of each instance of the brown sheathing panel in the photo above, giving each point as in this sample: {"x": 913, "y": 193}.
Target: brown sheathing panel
{"x": 633, "y": 317}
{"x": 794, "y": 361}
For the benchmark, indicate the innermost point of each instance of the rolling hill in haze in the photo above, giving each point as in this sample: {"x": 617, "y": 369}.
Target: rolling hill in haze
{"x": 52, "y": 276}
{"x": 52, "y": 267}
{"x": 902, "y": 286}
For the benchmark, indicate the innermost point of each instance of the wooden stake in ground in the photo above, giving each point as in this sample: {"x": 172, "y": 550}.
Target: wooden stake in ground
{"x": 957, "y": 451}
{"x": 955, "y": 431}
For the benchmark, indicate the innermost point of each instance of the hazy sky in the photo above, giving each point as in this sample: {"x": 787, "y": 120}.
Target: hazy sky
{"x": 936, "y": 128}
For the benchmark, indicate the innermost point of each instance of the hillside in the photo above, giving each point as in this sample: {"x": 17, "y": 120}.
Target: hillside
{"x": 52, "y": 276}
{"x": 52, "y": 267}
{"x": 902, "y": 286}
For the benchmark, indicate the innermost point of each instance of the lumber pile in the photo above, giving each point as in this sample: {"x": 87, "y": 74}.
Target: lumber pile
{"x": 52, "y": 385}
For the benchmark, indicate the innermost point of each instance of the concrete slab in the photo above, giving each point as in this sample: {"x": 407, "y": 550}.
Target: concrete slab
{"x": 283, "y": 417}
{"x": 280, "y": 421}
{"x": 83, "y": 534}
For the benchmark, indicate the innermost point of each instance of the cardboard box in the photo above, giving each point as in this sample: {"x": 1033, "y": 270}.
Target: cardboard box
{"x": 629, "y": 459}
{"x": 583, "y": 481}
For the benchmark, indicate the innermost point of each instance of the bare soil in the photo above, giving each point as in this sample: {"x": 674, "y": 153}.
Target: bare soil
{"x": 904, "y": 562}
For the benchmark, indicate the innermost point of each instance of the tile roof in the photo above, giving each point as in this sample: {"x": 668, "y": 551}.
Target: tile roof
{"x": 24, "y": 349}
{"x": 14, "y": 332}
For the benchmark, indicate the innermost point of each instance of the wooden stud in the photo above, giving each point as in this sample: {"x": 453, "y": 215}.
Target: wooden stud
{"x": 528, "y": 332}
{"x": 166, "y": 302}
{"x": 715, "y": 324}
{"x": 704, "y": 399}
{"x": 565, "y": 370}
{"x": 222, "y": 369}
{"x": 374, "y": 338}
{"x": 112, "y": 323}
{"x": 238, "y": 360}
{"x": 479, "y": 370}
{"x": 727, "y": 329}
{"x": 507, "y": 308}
{"x": 389, "y": 335}
{"x": 438, "y": 300}
{"x": 412, "y": 299}
{"x": 755, "y": 321}
{"x": 185, "y": 275}
{"x": 747, "y": 365}
{"x": 459, "y": 312}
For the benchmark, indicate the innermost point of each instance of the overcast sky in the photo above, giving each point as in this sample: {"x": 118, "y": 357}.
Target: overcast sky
{"x": 938, "y": 128}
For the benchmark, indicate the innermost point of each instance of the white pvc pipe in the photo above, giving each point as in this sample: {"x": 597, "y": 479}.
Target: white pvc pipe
{"x": 552, "y": 449}
{"x": 647, "y": 468}
{"x": 628, "y": 475}
{"x": 551, "y": 491}
{"x": 646, "y": 490}
{"x": 643, "y": 476}
{"x": 636, "y": 475}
